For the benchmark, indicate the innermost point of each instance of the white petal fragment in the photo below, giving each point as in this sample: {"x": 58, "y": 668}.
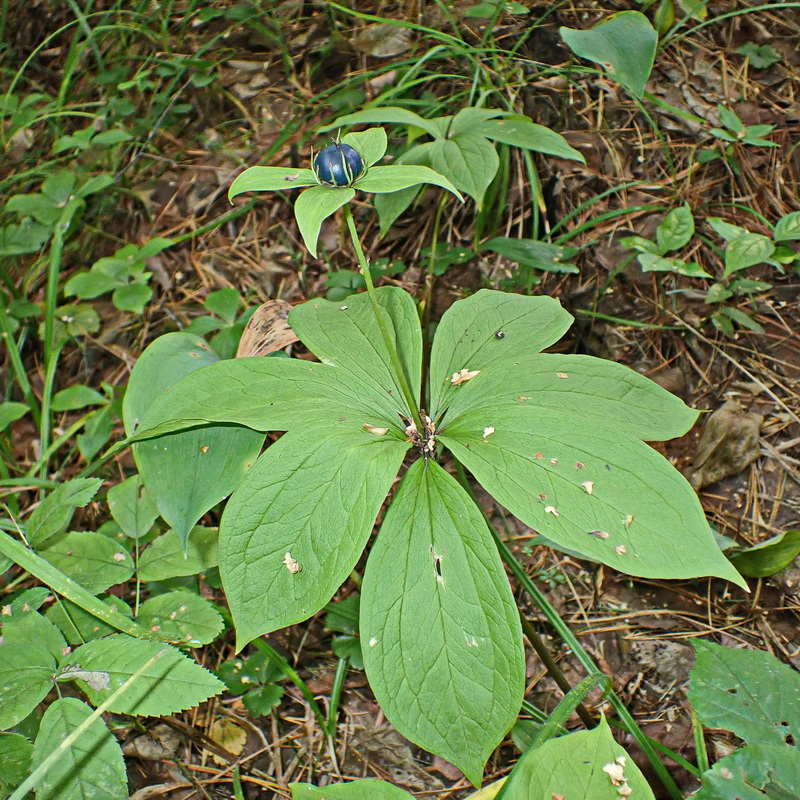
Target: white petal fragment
{"x": 551, "y": 510}
{"x": 562, "y": 375}
{"x": 589, "y": 486}
{"x": 375, "y": 429}
{"x": 292, "y": 564}
{"x": 463, "y": 375}
{"x": 487, "y": 431}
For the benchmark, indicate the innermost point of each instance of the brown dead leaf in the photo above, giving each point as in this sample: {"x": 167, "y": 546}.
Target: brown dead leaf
{"x": 267, "y": 331}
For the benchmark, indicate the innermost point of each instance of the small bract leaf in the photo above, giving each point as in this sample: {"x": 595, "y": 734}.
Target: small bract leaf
{"x": 271, "y": 179}
{"x": 402, "y": 176}
{"x": 314, "y": 206}
{"x": 370, "y": 144}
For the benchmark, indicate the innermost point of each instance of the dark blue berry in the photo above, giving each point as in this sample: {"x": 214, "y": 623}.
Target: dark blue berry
{"x": 338, "y": 164}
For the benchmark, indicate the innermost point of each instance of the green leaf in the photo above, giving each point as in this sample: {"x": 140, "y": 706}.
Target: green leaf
{"x": 95, "y": 184}
{"x": 724, "y": 229}
{"x": 676, "y": 230}
{"x": 347, "y": 337}
{"x": 315, "y": 205}
{"x": 744, "y": 774}
{"x": 402, "y": 176}
{"x": 467, "y": 118}
{"x": 76, "y": 397}
{"x": 11, "y": 412}
{"x": 770, "y": 557}
{"x": 653, "y": 263}
{"x": 747, "y": 251}
{"x": 166, "y": 558}
{"x": 181, "y": 617}
{"x": 271, "y": 179}
{"x": 740, "y": 318}
{"x": 440, "y": 630}
{"x": 260, "y": 702}
{"x": 54, "y": 513}
{"x": 170, "y": 684}
{"x": 466, "y": 336}
{"x": 388, "y": 114}
{"x": 521, "y": 132}
{"x": 748, "y": 692}
{"x": 590, "y": 488}
{"x": 534, "y": 253}
{"x": 91, "y": 769}
{"x": 15, "y": 762}
{"x": 132, "y": 297}
{"x": 224, "y": 303}
{"x": 132, "y": 507}
{"x": 288, "y": 539}
{"x": 90, "y": 559}
{"x": 370, "y": 144}
{"x": 583, "y": 765}
{"x": 188, "y": 472}
{"x": 25, "y": 625}
{"x": 367, "y": 789}
{"x": 787, "y": 228}
{"x": 79, "y": 626}
{"x": 390, "y": 205}
{"x": 624, "y": 44}
{"x": 469, "y": 161}
{"x": 26, "y": 676}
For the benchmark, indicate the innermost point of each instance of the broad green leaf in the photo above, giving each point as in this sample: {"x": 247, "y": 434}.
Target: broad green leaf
{"x": 676, "y": 230}
{"x": 592, "y": 489}
{"x": 26, "y": 676}
{"x": 748, "y": 692}
{"x": 467, "y": 118}
{"x": 466, "y": 338}
{"x": 390, "y": 205}
{"x": 367, "y": 789}
{"x": 739, "y": 317}
{"x": 440, "y": 630}
{"x": 370, "y": 144}
{"x": 521, "y": 132}
{"x": 91, "y": 769}
{"x": 747, "y": 251}
{"x": 166, "y": 558}
{"x": 271, "y": 179}
{"x": 23, "y": 626}
{"x": 132, "y": 507}
{"x": 346, "y": 335}
{"x": 587, "y": 765}
{"x": 95, "y": 184}
{"x": 16, "y": 753}
{"x": 181, "y": 617}
{"x": 76, "y": 397}
{"x": 730, "y": 119}
{"x": 770, "y": 557}
{"x": 297, "y": 524}
{"x": 11, "y": 411}
{"x": 624, "y": 44}
{"x": 724, "y": 229}
{"x": 388, "y": 114}
{"x": 757, "y": 772}
{"x": 133, "y": 297}
{"x": 316, "y": 204}
{"x": 787, "y": 228}
{"x": 79, "y": 626}
{"x": 188, "y": 472}
{"x": 653, "y": 263}
{"x": 516, "y": 390}
{"x": 534, "y": 253}
{"x": 90, "y": 559}
{"x": 53, "y": 514}
{"x": 402, "y": 176}
{"x": 469, "y": 161}
{"x": 170, "y": 684}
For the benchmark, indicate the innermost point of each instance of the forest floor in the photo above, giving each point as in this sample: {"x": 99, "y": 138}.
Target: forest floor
{"x": 276, "y": 76}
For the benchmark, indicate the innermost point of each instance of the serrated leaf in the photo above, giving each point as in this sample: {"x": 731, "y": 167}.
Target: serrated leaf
{"x": 528, "y": 135}
{"x": 170, "y": 684}
{"x": 469, "y": 160}
{"x": 90, "y": 559}
{"x": 271, "y": 179}
{"x": 26, "y": 676}
{"x": 91, "y": 769}
{"x": 53, "y": 514}
{"x": 787, "y": 228}
{"x": 466, "y": 336}
{"x": 367, "y": 789}
{"x": 79, "y": 626}
{"x": 748, "y": 692}
{"x": 181, "y": 617}
{"x": 131, "y": 507}
{"x": 288, "y": 537}
{"x": 402, "y": 176}
{"x": 769, "y": 557}
{"x": 757, "y": 772}
{"x": 441, "y": 637}
{"x": 387, "y": 114}
{"x": 624, "y": 44}
{"x": 166, "y": 558}
{"x": 586, "y": 764}
{"x": 591, "y": 489}
{"x": 746, "y": 251}
{"x": 16, "y": 753}
{"x": 315, "y": 205}
{"x": 346, "y": 335}
{"x": 676, "y": 230}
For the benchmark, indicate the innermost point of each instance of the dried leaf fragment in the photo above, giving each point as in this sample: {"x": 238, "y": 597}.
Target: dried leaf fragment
{"x": 292, "y": 564}
{"x": 267, "y": 331}
{"x": 562, "y": 375}
{"x": 375, "y": 429}
{"x": 589, "y": 486}
{"x": 487, "y": 431}
{"x": 463, "y": 375}
{"x": 598, "y": 534}
{"x": 551, "y": 510}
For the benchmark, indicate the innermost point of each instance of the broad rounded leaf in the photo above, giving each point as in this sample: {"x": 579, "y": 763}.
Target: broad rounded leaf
{"x": 26, "y": 676}
{"x": 529, "y": 136}
{"x": 296, "y": 526}
{"x": 388, "y": 114}
{"x": 166, "y": 558}
{"x": 787, "y": 228}
{"x": 767, "y": 558}
{"x": 439, "y": 626}
{"x": 315, "y": 205}
{"x": 367, "y": 789}
{"x": 469, "y": 160}
{"x": 79, "y": 626}
{"x": 11, "y": 412}
{"x": 271, "y": 179}
{"x": 402, "y": 176}
{"x": 467, "y": 336}
{"x": 676, "y": 230}
{"x": 370, "y": 144}
{"x": 181, "y": 617}
{"x": 53, "y": 514}
{"x": 15, "y": 761}
{"x": 624, "y": 44}
{"x": 92, "y": 768}
{"x": 747, "y": 251}
{"x": 170, "y": 684}
{"x": 132, "y": 507}
{"x": 757, "y": 772}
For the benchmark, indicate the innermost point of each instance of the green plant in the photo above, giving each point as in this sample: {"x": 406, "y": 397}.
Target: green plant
{"x": 545, "y": 434}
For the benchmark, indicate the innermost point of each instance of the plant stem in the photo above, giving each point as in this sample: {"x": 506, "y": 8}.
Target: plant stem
{"x": 387, "y": 339}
